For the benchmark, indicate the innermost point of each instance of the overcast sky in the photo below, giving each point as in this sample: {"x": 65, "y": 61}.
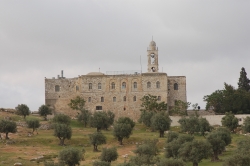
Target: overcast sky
{"x": 206, "y": 41}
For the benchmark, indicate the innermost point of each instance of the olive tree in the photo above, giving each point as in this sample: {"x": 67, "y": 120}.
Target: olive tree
{"x": 195, "y": 151}
{"x": 123, "y": 128}
{"x": 70, "y": 156}
{"x": 23, "y": 109}
{"x": 62, "y": 119}
{"x": 97, "y": 138}
{"x": 44, "y": 110}
{"x": 62, "y": 132}
{"x": 33, "y": 123}
{"x": 246, "y": 125}
{"x": 218, "y": 139}
{"x": 230, "y": 121}
{"x": 146, "y": 154}
{"x": 109, "y": 154}
{"x": 161, "y": 122}
{"x": 7, "y": 127}
{"x": 170, "y": 162}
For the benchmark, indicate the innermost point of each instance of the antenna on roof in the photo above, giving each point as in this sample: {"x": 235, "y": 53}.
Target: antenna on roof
{"x": 152, "y": 38}
{"x": 99, "y": 69}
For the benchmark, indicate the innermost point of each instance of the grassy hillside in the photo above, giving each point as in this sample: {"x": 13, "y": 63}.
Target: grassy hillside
{"x": 22, "y": 147}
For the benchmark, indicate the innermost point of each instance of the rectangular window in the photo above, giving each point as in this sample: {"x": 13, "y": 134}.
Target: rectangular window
{"x": 159, "y": 98}
{"x": 114, "y": 99}
{"x": 102, "y": 99}
{"x": 98, "y": 107}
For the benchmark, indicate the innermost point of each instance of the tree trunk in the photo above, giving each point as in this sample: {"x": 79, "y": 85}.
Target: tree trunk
{"x": 120, "y": 141}
{"x": 61, "y": 141}
{"x": 195, "y": 164}
{"x": 6, "y": 137}
{"x": 215, "y": 157}
{"x": 95, "y": 148}
{"x": 161, "y": 134}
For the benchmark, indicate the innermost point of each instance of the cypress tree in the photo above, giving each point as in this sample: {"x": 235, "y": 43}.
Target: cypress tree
{"x": 244, "y": 82}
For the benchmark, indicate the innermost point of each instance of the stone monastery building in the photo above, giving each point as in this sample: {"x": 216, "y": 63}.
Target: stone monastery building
{"x": 117, "y": 92}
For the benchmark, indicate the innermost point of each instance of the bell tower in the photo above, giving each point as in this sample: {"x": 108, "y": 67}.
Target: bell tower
{"x": 153, "y": 65}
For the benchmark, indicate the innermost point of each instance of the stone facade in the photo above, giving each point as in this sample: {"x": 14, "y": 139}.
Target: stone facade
{"x": 120, "y": 93}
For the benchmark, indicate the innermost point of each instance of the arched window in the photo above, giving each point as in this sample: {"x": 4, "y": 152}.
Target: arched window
{"x": 158, "y": 85}
{"x": 134, "y": 98}
{"x": 77, "y": 88}
{"x": 112, "y": 85}
{"x": 135, "y": 85}
{"x": 124, "y": 98}
{"x": 148, "y": 84}
{"x": 90, "y": 85}
{"x": 89, "y": 99}
{"x": 175, "y": 86}
{"x": 102, "y": 99}
{"x": 123, "y": 85}
{"x": 99, "y": 86}
{"x": 57, "y": 88}
{"x": 114, "y": 99}
{"x": 159, "y": 98}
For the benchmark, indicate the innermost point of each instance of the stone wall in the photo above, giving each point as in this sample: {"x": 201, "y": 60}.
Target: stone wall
{"x": 70, "y": 88}
{"x": 179, "y": 94}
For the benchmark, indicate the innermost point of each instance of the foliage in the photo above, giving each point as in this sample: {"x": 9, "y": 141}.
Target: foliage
{"x": 219, "y": 139}
{"x": 44, "y": 110}
{"x": 111, "y": 118}
{"x": 150, "y": 103}
{"x": 97, "y": 138}
{"x": 23, "y": 109}
{"x": 100, "y": 120}
{"x": 228, "y": 99}
{"x": 146, "y": 153}
{"x": 180, "y": 108}
{"x": 145, "y": 117}
{"x": 62, "y": 132}
{"x": 195, "y": 151}
{"x": 244, "y": 82}
{"x": 70, "y": 156}
{"x": 109, "y": 154}
{"x": 230, "y": 121}
{"x": 241, "y": 157}
{"x": 84, "y": 117}
{"x": 189, "y": 125}
{"x": 204, "y": 126}
{"x": 7, "y": 127}
{"x": 61, "y": 118}
{"x": 33, "y": 123}
{"x": 246, "y": 125}
{"x": 172, "y": 135}
{"x": 123, "y": 128}
{"x": 150, "y": 106}
{"x": 77, "y": 103}
{"x": 161, "y": 122}
{"x": 170, "y": 162}
{"x": 101, "y": 163}
{"x": 172, "y": 148}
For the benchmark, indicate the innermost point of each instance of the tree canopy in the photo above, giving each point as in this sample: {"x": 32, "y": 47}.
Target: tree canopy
{"x": 244, "y": 82}
{"x": 23, "y": 109}
{"x": 7, "y": 127}
{"x": 33, "y": 123}
{"x": 123, "y": 128}
{"x": 44, "y": 110}
{"x": 97, "y": 138}
{"x": 161, "y": 122}
{"x": 230, "y": 121}
{"x": 109, "y": 154}
{"x": 70, "y": 156}
{"x": 61, "y": 118}
{"x": 228, "y": 99}
{"x": 62, "y": 131}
